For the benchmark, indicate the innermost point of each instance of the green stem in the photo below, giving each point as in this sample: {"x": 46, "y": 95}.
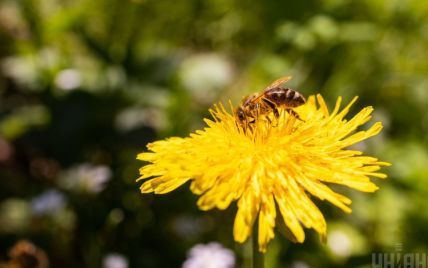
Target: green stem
{"x": 258, "y": 257}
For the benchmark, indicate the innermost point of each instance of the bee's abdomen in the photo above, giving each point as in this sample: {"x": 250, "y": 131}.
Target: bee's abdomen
{"x": 285, "y": 96}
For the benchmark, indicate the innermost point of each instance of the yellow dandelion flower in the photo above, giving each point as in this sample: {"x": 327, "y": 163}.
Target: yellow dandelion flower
{"x": 272, "y": 165}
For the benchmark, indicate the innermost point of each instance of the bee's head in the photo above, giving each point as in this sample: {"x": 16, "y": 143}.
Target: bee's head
{"x": 240, "y": 114}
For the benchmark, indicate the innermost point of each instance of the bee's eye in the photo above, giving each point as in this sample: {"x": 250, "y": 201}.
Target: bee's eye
{"x": 241, "y": 115}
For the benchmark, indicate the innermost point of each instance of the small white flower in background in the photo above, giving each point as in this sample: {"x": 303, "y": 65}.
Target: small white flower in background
{"x": 340, "y": 243}
{"x": 21, "y": 69}
{"x": 49, "y": 202}
{"x": 86, "y": 178}
{"x": 299, "y": 264}
{"x": 204, "y": 75}
{"x": 211, "y": 255}
{"x": 68, "y": 79}
{"x": 115, "y": 260}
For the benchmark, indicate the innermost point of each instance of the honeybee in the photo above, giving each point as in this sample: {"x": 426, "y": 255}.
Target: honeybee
{"x": 269, "y": 100}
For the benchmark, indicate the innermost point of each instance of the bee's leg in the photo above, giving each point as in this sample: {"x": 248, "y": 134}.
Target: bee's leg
{"x": 274, "y": 109}
{"x": 275, "y": 112}
{"x": 272, "y": 106}
{"x": 268, "y": 119}
{"x": 293, "y": 113}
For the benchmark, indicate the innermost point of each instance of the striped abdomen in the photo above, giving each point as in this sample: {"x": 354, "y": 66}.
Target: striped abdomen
{"x": 284, "y": 97}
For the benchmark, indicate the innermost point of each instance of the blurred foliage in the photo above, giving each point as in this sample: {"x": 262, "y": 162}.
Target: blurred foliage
{"x": 86, "y": 84}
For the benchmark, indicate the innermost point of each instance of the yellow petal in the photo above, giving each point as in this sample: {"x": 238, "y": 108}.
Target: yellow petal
{"x": 248, "y": 207}
{"x": 266, "y": 222}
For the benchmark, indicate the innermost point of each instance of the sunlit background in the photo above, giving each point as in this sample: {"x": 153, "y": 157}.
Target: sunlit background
{"x": 86, "y": 84}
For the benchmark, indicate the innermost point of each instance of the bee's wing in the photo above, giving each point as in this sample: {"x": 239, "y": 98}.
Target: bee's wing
{"x": 275, "y": 83}
{"x": 278, "y": 82}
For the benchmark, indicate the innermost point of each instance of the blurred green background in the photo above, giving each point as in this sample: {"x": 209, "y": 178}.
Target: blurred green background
{"x": 86, "y": 84}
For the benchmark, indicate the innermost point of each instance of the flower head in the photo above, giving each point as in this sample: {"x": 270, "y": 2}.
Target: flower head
{"x": 276, "y": 163}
